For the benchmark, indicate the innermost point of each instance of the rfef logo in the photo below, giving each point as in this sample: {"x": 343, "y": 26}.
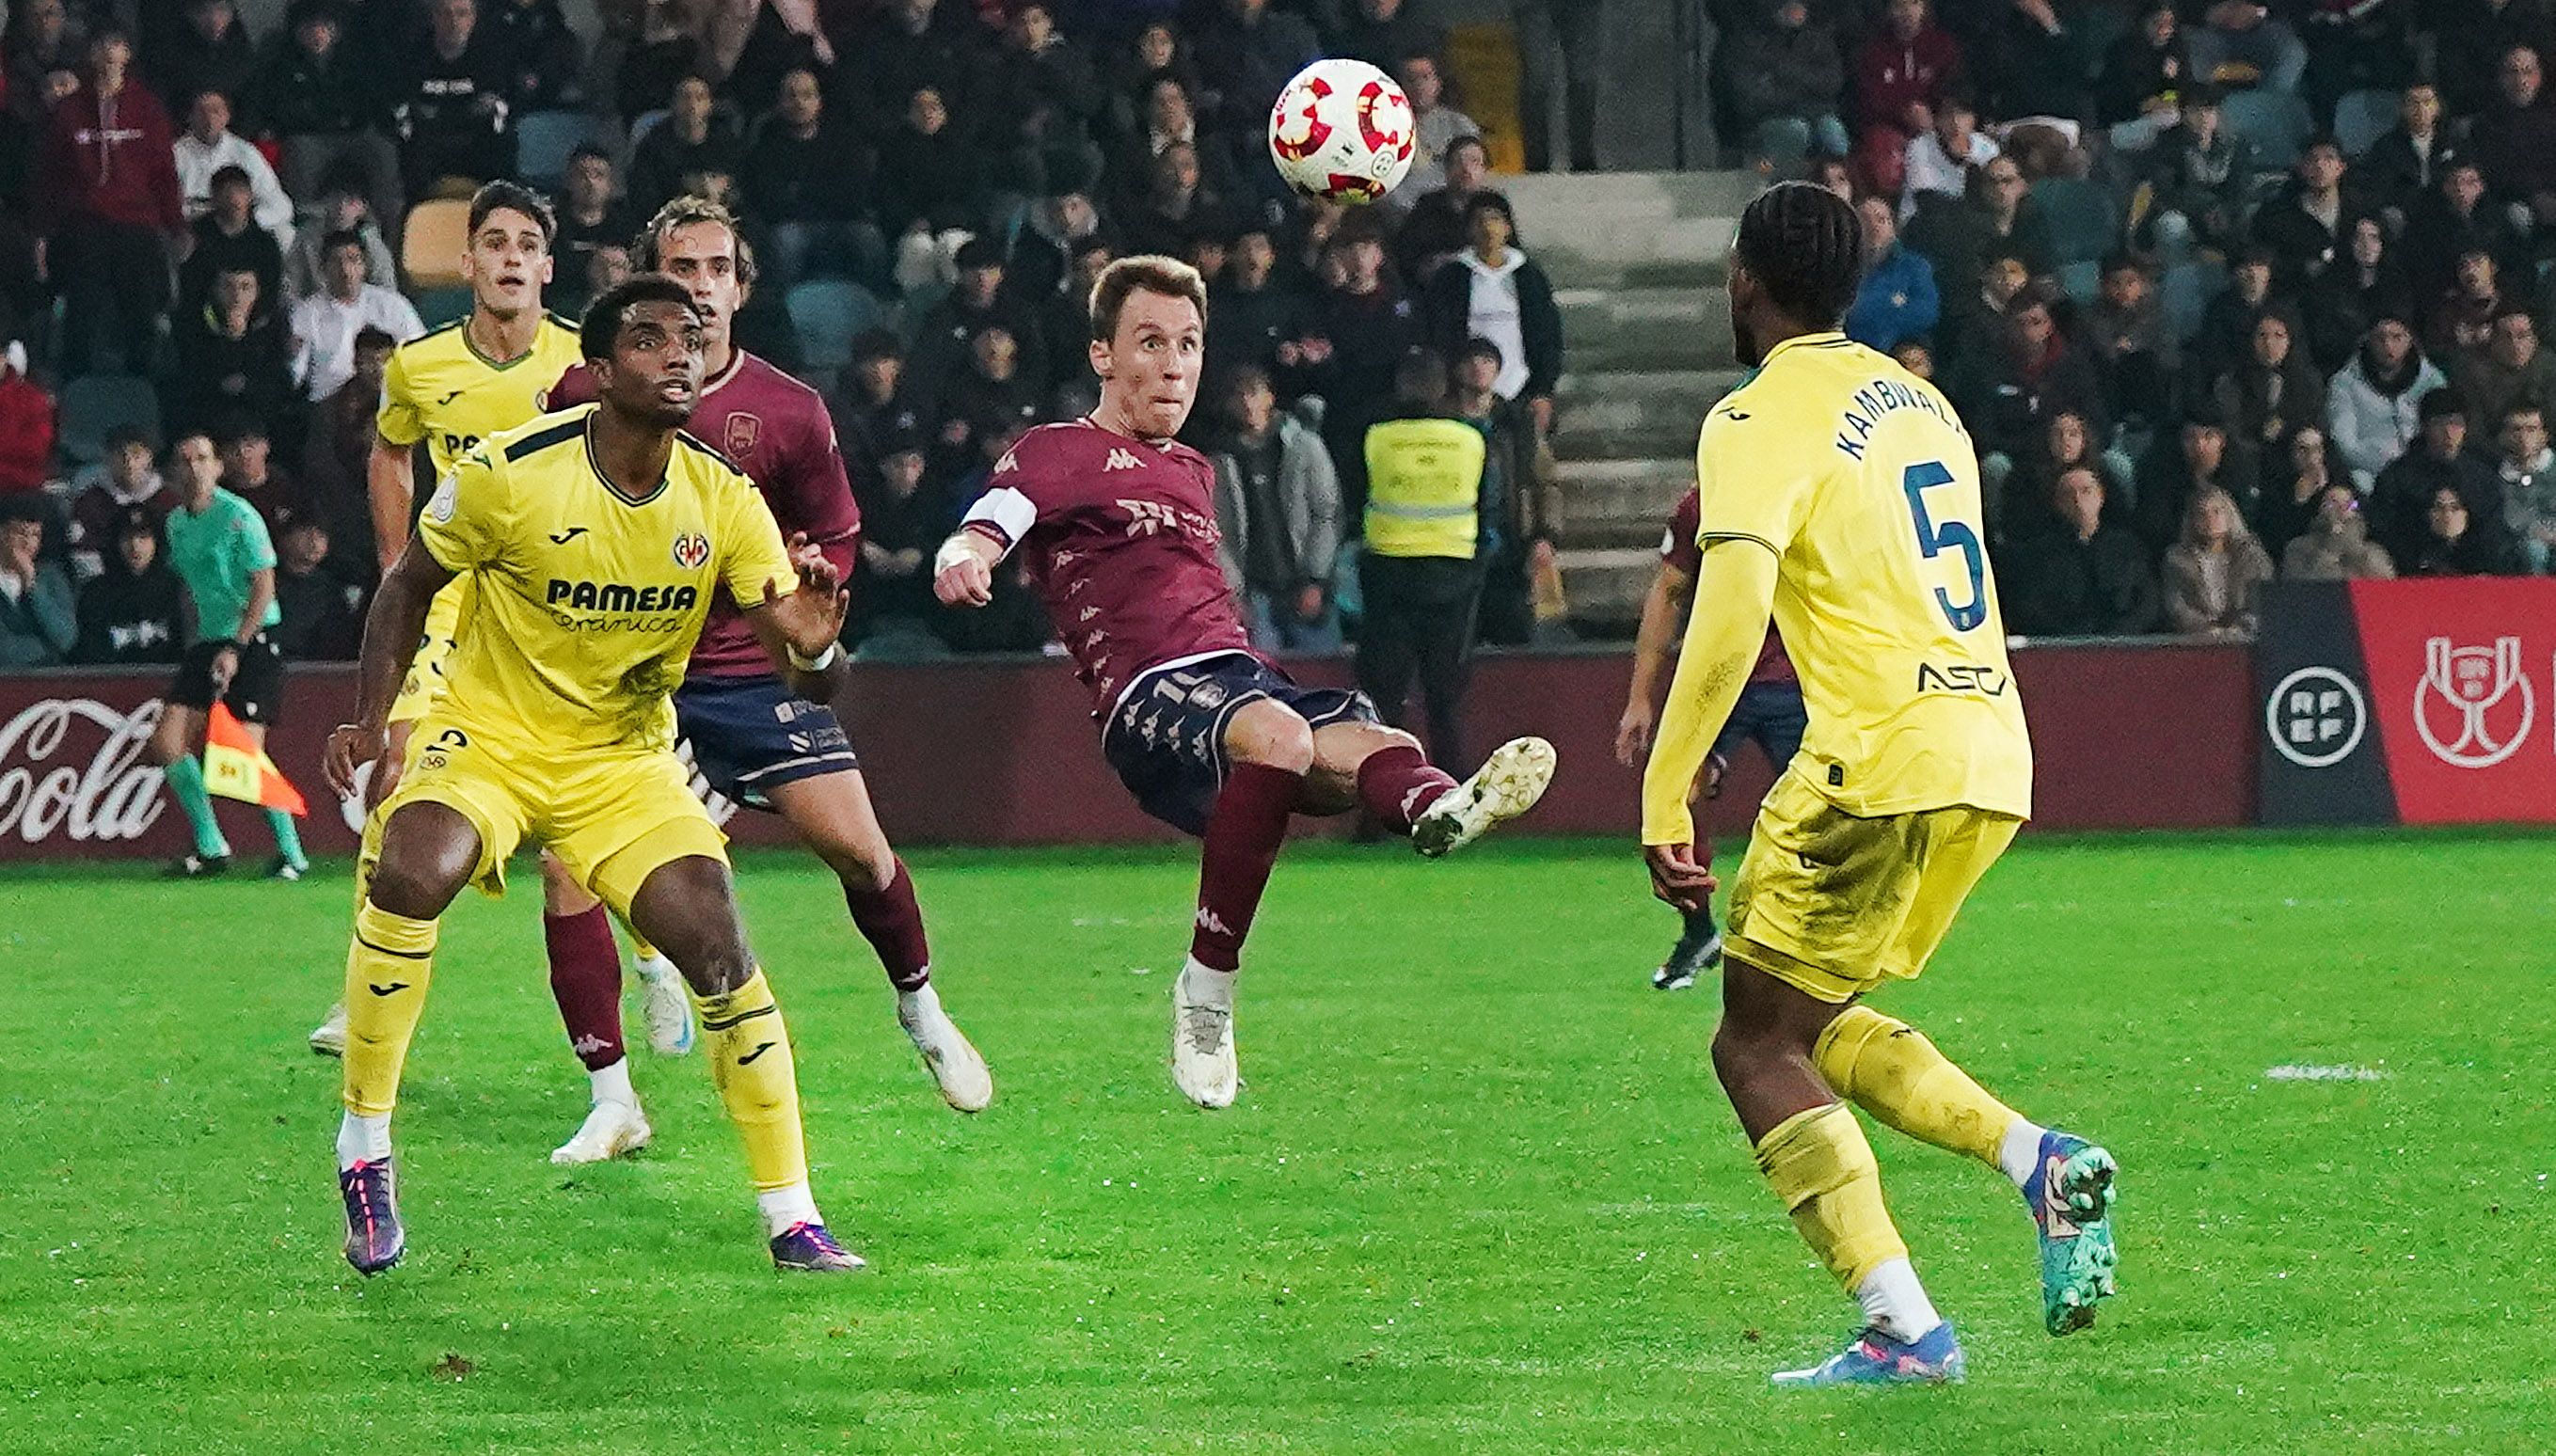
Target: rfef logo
{"x": 2316, "y": 717}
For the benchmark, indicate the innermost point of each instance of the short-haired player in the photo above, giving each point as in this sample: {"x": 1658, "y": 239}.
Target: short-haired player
{"x": 1117, "y": 520}
{"x": 753, "y": 740}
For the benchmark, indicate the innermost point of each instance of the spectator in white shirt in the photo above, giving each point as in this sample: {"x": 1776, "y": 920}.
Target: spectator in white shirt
{"x": 324, "y": 324}
{"x": 1938, "y": 159}
{"x": 343, "y": 207}
{"x": 206, "y": 146}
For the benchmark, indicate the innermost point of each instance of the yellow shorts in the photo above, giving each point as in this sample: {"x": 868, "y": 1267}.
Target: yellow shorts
{"x": 1834, "y": 904}
{"x": 424, "y": 682}
{"x": 613, "y": 819}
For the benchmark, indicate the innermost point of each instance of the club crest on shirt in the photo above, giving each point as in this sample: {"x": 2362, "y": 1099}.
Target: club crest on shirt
{"x": 691, "y": 548}
{"x": 743, "y": 431}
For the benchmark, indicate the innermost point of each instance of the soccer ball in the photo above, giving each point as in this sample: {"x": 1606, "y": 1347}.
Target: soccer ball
{"x": 1342, "y": 130}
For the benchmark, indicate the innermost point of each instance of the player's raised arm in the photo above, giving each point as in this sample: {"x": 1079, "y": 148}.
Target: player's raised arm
{"x": 963, "y": 572}
{"x": 392, "y": 625}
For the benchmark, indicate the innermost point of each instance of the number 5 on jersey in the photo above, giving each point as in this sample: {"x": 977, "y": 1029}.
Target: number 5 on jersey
{"x": 1935, "y": 537}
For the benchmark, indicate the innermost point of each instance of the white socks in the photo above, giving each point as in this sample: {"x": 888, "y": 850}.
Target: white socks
{"x": 612, "y": 1085}
{"x": 1895, "y": 1303}
{"x": 1202, "y": 985}
{"x": 2020, "y": 1154}
{"x": 363, "y": 1139}
{"x": 785, "y": 1207}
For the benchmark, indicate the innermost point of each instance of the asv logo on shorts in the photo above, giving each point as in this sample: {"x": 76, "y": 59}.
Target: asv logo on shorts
{"x": 691, "y": 548}
{"x": 2475, "y": 705}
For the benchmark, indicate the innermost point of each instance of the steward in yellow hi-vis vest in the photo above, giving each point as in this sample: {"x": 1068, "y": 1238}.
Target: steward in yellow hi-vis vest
{"x": 1421, "y": 569}
{"x": 1424, "y": 488}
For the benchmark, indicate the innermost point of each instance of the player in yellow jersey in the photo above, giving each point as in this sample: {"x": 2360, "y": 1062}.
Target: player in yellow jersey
{"x": 1841, "y": 493}
{"x": 594, "y": 540}
{"x": 448, "y": 389}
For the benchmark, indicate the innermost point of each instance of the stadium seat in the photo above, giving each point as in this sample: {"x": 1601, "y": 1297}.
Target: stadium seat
{"x": 2360, "y": 118}
{"x": 2277, "y": 122}
{"x": 827, "y": 314}
{"x": 543, "y": 142}
{"x": 432, "y": 242}
{"x": 2080, "y": 213}
{"x": 96, "y": 406}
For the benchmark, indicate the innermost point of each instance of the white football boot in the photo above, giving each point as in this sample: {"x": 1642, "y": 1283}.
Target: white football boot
{"x": 665, "y": 1006}
{"x": 1507, "y": 785}
{"x": 1202, "y": 1060}
{"x": 610, "y": 1130}
{"x": 329, "y": 1039}
{"x": 953, "y": 1060}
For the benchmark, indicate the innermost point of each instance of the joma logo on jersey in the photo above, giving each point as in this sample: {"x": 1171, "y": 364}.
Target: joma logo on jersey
{"x": 614, "y": 596}
{"x": 1961, "y": 678}
{"x": 691, "y": 548}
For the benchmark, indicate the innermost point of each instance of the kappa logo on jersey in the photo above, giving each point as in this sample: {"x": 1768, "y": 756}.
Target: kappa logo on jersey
{"x": 743, "y": 431}
{"x": 1010, "y": 464}
{"x": 691, "y": 548}
{"x": 1120, "y": 460}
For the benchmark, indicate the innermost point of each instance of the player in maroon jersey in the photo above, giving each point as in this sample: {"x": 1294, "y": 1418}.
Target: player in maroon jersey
{"x": 1770, "y": 714}
{"x": 751, "y": 739}
{"x": 1118, "y": 524}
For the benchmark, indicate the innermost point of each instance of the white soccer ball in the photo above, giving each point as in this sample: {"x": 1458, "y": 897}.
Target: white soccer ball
{"x": 1344, "y": 130}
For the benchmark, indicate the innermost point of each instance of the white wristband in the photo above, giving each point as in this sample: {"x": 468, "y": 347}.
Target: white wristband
{"x": 817, "y": 664}
{"x": 952, "y": 552}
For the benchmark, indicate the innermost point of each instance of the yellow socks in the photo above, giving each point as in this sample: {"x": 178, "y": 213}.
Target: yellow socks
{"x": 1891, "y": 1070}
{"x": 1819, "y": 1165}
{"x": 749, "y": 1050}
{"x": 387, "y": 970}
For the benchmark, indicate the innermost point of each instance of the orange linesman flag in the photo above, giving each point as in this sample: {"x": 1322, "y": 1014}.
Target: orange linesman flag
{"x": 237, "y": 767}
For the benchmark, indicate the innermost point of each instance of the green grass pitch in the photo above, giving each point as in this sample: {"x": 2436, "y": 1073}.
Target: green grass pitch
{"x": 1480, "y": 1193}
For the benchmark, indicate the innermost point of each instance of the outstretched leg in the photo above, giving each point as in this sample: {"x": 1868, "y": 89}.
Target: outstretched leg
{"x": 1357, "y": 762}
{"x": 687, "y": 907}
{"x": 1268, "y": 751}
{"x": 834, "y": 819}
{"x": 427, "y": 852}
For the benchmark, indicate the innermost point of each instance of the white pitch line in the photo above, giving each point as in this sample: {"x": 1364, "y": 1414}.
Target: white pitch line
{"x": 2335, "y": 1073}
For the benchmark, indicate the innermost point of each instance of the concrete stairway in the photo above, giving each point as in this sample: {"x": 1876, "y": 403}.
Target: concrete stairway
{"x": 1636, "y": 261}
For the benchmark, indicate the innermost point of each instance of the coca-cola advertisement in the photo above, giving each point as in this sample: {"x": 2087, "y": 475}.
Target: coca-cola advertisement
{"x": 75, "y": 780}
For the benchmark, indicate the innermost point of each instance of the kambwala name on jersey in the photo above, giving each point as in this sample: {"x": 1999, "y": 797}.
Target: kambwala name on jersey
{"x": 1875, "y": 400}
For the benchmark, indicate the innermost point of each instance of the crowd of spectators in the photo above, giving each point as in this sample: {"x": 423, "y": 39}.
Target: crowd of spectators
{"x": 214, "y": 218}
{"x": 2227, "y": 292}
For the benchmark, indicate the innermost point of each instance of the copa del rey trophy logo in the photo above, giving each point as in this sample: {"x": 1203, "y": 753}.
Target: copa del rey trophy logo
{"x": 2475, "y": 705}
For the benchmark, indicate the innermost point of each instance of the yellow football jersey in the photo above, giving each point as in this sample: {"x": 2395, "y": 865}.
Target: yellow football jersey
{"x": 588, "y": 602}
{"x": 442, "y": 390}
{"x": 1860, "y": 479}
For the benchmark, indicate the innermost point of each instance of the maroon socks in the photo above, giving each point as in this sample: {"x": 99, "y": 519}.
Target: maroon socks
{"x": 1395, "y": 784}
{"x": 892, "y": 923}
{"x": 586, "y": 979}
{"x": 1243, "y": 834}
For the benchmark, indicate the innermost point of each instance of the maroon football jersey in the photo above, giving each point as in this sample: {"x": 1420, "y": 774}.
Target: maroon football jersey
{"x": 1120, "y": 539}
{"x": 1678, "y": 550}
{"x": 775, "y": 430}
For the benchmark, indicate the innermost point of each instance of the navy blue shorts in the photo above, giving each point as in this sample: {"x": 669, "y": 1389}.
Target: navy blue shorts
{"x": 748, "y": 735}
{"x": 1166, "y": 738}
{"x": 1769, "y": 714}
